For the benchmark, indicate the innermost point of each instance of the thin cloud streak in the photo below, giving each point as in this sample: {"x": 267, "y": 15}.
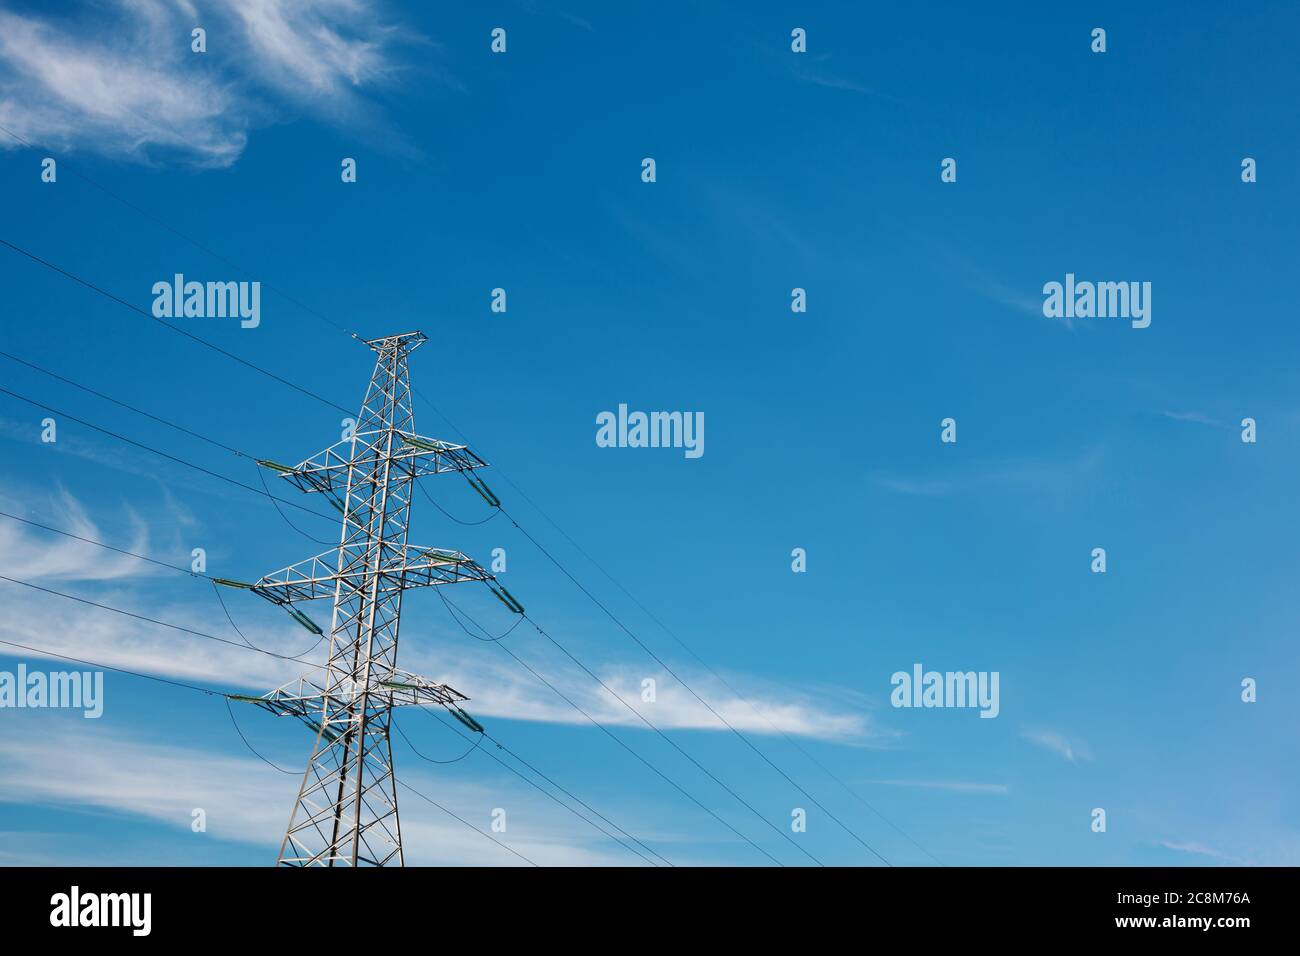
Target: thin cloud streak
{"x": 1072, "y": 749}
{"x": 497, "y": 686}
{"x": 955, "y": 786}
{"x": 1193, "y": 417}
{"x": 245, "y": 801}
{"x": 1039, "y": 475}
{"x": 1199, "y": 849}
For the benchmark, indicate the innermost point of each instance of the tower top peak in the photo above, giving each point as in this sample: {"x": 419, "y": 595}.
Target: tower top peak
{"x": 405, "y": 342}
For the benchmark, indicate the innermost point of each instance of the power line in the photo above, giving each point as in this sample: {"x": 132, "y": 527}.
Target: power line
{"x": 524, "y": 664}
{"x": 310, "y": 511}
{"x": 251, "y": 647}
{"x": 173, "y": 567}
{"x": 217, "y": 444}
{"x": 180, "y": 235}
{"x": 180, "y": 428}
{"x": 749, "y": 743}
{"x": 472, "y": 747}
{"x": 162, "y": 454}
{"x": 486, "y": 638}
{"x": 483, "y": 735}
{"x": 432, "y": 405}
{"x": 116, "y": 435}
{"x": 554, "y": 524}
{"x": 310, "y": 537}
{"x": 674, "y": 744}
{"x": 429, "y": 799}
{"x": 656, "y": 657}
{"x": 226, "y": 697}
{"x": 175, "y": 328}
{"x": 216, "y": 589}
{"x": 662, "y": 663}
{"x": 119, "y": 670}
{"x": 568, "y": 700}
{"x": 170, "y": 424}
{"x": 234, "y": 723}
{"x": 216, "y": 693}
{"x": 501, "y": 746}
{"x": 149, "y": 620}
{"x": 451, "y": 517}
{"x": 108, "y": 547}
{"x": 592, "y": 674}
{"x": 121, "y": 404}
{"x": 775, "y": 727}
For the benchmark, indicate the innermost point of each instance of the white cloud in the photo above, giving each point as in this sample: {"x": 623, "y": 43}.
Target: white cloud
{"x": 1199, "y": 849}
{"x": 497, "y": 685}
{"x": 30, "y": 553}
{"x": 247, "y": 802}
{"x": 983, "y": 282}
{"x": 1197, "y": 418}
{"x": 1071, "y": 748}
{"x": 956, "y": 786}
{"x": 124, "y": 82}
{"x": 500, "y": 687}
{"x": 122, "y": 91}
{"x": 318, "y": 49}
{"x": 1036, "y": 475}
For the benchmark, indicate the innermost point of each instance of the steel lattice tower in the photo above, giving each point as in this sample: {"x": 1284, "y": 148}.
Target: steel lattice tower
{"x": 346, "y": 811}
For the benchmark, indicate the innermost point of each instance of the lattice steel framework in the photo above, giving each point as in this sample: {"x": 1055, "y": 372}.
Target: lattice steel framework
{"x": 346, "y": 811}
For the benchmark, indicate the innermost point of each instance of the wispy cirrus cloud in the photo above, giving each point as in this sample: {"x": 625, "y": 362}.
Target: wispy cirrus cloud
{"x": 955, "y": 786}
{"x": 818, "y": 73}
{"x": 1196, "y": 418}
{"x": 246, "y": 801}
{"x": 320, "y": 49}
{"x": 497, "y": 685}
{"x": 122, "y": 92}
{"x": 1072, "y": 749}
{"x": 500, "y": 687}
{"x": 123, "y": 81}
{"x": 29, "y": 550}
{"x": 1041, "y": 475}
{"x": 1199, "y": 849}
{"x": 987, "y": 284}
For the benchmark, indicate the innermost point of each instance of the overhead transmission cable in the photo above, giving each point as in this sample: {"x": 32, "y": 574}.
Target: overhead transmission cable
{"x": 251, "y": 646}
{"x": 280, "y": 379}
{"x": 485, "y": 735}
{"x": 636, "y": 713}
{"x": 254, "y": 490}
{"x": 162, "y": 454}
{"x": 216, "y": 693}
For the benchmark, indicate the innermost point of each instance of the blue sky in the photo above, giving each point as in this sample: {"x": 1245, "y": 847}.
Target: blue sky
{"x": 775, "y": 170}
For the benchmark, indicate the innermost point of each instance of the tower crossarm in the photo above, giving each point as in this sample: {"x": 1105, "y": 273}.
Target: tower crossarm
{"x": 412, "y": 456}
{"x": 304, "y": 698}
{"x": 404, "y": 566}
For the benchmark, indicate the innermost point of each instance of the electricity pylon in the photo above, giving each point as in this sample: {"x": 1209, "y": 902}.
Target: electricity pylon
{"x": 346, "y": 812}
